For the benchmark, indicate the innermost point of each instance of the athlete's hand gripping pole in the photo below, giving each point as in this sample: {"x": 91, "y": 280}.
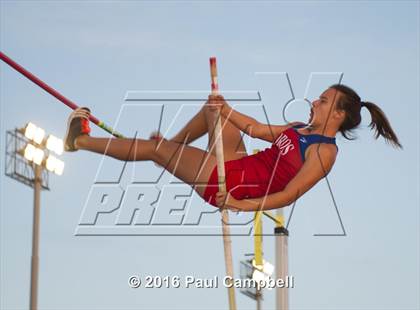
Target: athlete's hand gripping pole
{"x": 222, "y": 186}
{"x": 55, "y": 93}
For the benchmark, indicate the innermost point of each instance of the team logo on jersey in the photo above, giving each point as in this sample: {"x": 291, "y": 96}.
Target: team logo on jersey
{"x": 303, "y": 140}
{"x": 284, "y": 143}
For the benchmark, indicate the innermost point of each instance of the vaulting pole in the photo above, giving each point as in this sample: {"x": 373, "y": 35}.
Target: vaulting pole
{"x": 55, "y": 93}
{"x": 222, "y": 187}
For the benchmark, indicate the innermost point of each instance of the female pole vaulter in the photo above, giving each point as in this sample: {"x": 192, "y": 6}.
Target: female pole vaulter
{"x": 300, "y": 154}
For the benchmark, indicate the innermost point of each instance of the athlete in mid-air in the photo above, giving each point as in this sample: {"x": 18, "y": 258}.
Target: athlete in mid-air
{"x": 300, "y": 154}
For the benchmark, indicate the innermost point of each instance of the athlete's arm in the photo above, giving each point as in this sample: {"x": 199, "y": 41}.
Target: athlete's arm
{"x": 247, "y": 124}
{"x": 252, "y": 127}
{"x": 317, "y": 165}
{"x": 269, "y": 132}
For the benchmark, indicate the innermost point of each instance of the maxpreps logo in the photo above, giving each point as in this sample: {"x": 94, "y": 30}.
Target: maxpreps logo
{"x": 140, "y": 198}
{"x": 157, "y": 203}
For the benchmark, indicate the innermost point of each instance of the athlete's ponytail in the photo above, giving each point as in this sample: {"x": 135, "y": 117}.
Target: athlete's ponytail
{"x": 350, "y": 103}
{"x": 380, "y": 124}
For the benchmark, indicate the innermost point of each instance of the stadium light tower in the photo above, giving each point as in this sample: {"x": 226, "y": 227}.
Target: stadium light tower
{"x": 29, "y": 159}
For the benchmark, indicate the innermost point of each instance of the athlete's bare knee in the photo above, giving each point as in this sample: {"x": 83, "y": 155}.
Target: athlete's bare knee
{"x": 140, "y": 150}
{"x": 163, "y": 150}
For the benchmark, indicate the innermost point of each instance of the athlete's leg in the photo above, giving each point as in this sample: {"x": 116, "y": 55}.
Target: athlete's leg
{"x": 233, "y": 145}
{"x": 203, "y": 122}
{"x": 194, "y": 129}
{"x": 190, "y": 164}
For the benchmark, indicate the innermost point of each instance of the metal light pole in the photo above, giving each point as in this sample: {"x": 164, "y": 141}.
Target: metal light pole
{"x": 29, "y": 160}
{"x": 35, "y": 237}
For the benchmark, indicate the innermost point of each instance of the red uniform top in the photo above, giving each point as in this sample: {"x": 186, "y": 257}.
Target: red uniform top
{"x": 267, "y": 171}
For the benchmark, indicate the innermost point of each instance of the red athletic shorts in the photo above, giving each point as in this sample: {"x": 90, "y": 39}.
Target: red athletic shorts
{"x": 245, "y": 178}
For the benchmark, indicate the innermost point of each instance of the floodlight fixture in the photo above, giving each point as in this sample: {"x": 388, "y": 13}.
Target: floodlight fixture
{"x": 38, "y": 156}
{"x": 39, "y": 135}
{"x": 55, "y": 165}
{"x": 55, "y": 144}
{"x": 34, "y": 133}
{"x": 29, "y": 160}
{"x": 29, "y": 152}
{"x": 29, "y": 131}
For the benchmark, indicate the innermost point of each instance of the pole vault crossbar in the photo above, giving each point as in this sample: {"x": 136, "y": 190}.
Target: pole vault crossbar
{"x": 55, "y": 93}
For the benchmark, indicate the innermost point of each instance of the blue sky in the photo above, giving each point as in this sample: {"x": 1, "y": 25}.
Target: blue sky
{"x": 94, "y": 52}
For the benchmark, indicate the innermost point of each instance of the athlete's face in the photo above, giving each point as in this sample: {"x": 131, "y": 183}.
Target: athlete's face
{"x": 323, "y": 108}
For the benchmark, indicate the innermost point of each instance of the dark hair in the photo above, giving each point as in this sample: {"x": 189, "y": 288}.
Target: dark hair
{"x": 351, "y": 104}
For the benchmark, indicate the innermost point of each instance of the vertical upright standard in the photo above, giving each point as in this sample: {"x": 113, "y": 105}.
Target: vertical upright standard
{"x": 227, "y": 243}
{"x": 258, "y": 249}
{"x": 282, "y": 262}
